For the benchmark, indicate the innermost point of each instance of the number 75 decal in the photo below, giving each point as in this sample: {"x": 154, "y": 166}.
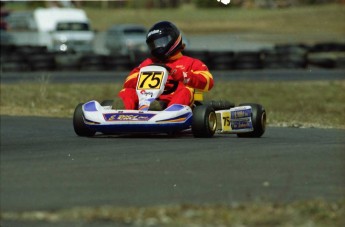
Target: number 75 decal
{"x": 150, "y": 80}
{"x": 226, "y": 121}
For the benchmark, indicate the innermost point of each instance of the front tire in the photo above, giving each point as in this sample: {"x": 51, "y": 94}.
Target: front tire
{"x": 107, "y": 102}
{"x": 80, "y": 128}
{"x": 258, "y": 120}
{"x": 204, "y": 121}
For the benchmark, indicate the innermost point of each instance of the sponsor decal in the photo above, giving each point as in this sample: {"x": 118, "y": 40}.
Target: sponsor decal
{"x": 241, "y": 113}
{"x": 127, "y": 117}
{"x": 153, "y": 32}
{"x": 182, "y": 67}
{"x": 241, "y": 124}
{"x": 146, "y": 93}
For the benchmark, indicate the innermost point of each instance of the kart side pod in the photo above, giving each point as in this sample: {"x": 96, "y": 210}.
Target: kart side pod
{"x": 246, "y": 120}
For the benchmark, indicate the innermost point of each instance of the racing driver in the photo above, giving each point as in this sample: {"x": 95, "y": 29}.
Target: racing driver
{"x": 185, "y": 73}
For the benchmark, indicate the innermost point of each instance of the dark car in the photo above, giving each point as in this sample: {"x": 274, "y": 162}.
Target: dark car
{"x": 125, "y": 39}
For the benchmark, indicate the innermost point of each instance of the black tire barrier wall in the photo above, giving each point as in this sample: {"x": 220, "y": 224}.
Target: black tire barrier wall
{"x": 32, "y": 58}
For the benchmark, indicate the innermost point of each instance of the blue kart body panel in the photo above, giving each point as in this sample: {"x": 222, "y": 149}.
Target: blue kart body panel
{"x": 106, "y": 120}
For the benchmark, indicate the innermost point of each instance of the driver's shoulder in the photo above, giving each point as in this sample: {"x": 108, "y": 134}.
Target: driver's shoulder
{"x": 146, "y": 62}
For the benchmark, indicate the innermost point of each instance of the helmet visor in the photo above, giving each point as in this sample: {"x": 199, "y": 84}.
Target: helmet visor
{"x": 160, "y": 42}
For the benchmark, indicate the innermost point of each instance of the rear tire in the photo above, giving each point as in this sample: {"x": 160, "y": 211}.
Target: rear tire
{"x": 204, "y": 121}
{"x": 107, "y": 102}
{"x": 220, "y": 104}
{"x": 80, "y": 128}
{"x": 258, "y": 120}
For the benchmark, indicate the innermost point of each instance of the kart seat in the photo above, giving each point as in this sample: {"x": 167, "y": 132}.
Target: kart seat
{"x": 198, "y": 96}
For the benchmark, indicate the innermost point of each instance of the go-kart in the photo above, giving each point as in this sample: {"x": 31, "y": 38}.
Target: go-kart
{"x": 202, "y": 119}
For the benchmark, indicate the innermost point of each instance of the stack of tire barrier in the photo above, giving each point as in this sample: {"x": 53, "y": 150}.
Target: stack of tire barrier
{"x": 11, "y": 60}
{"x": 285, "y": 56}
{"x": 92, "y": 62}
{"x": 36, "y": 58}
{"x": 67, "y": 61}
{"x": 289, "y": 56}
{"x": 228, "y": 60}
{"x": 26, "y": 58}
{"x": 327, "y": 55}
{"x": 276, "y": 58}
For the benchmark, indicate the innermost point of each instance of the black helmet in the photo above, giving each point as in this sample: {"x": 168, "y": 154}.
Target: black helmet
{"x": 164, "y": 40}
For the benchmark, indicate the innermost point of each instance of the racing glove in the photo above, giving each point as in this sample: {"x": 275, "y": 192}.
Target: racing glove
{"x": 179, "y": 75}
{"x": 176, "y": 74}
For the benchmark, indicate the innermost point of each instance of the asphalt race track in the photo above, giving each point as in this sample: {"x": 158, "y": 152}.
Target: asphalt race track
{"x": 45, "y": 166}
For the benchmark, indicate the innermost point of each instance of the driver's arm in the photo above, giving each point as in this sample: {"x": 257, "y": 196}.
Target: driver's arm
{"x": 195, "y": 75}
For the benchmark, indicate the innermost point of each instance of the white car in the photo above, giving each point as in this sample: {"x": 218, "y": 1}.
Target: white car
{"x": 58, "y": 29}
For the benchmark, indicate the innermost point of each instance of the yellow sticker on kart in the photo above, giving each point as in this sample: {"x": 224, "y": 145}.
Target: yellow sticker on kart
{"x": 226, "y": 121}
{"x": 150, "y": 80}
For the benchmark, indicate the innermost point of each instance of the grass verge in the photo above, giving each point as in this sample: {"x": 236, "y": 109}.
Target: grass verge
{"x": 296, "y": 104}
{"x": 314, "y": 213}
{"x": 293, "y": 20}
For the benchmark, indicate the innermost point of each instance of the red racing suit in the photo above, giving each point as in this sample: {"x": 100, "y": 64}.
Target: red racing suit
{"x": 186, "y": 75}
